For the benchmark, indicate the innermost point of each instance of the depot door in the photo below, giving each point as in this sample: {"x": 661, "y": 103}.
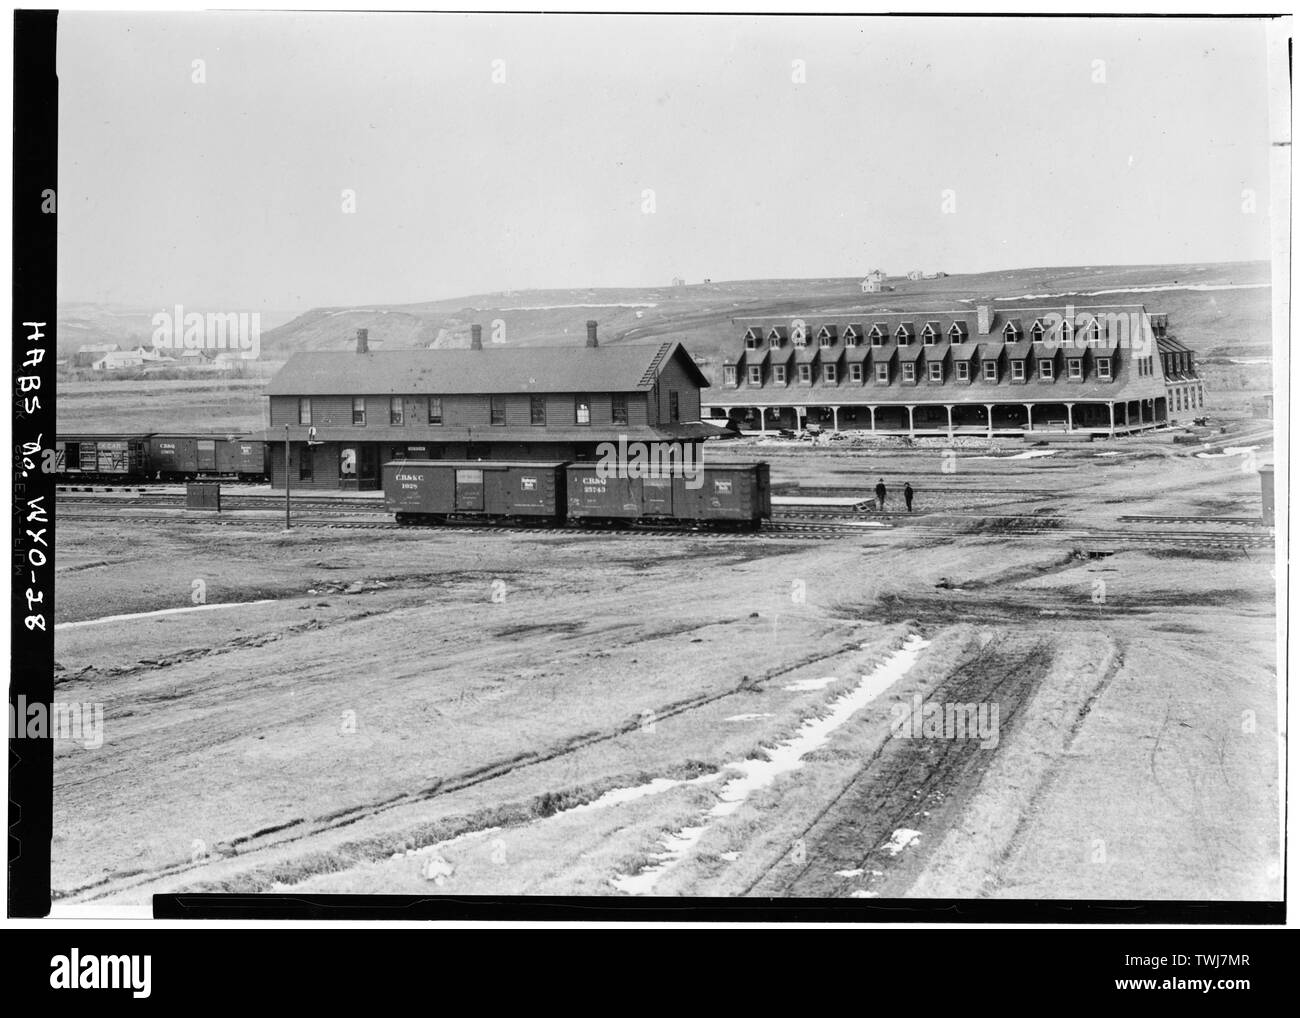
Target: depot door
{"x": 368, "y": 467}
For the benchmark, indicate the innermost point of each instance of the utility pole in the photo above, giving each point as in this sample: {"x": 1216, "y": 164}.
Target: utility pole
{"x": 287, "y": 524}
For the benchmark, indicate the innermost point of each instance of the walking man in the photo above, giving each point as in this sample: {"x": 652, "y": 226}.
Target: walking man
{"x": 880, "y": 495}
{"x": 907, "y": 495}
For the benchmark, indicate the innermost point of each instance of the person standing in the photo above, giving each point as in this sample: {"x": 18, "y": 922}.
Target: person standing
{"x": 880, "y": 494}
{"x": 907, "y": 495}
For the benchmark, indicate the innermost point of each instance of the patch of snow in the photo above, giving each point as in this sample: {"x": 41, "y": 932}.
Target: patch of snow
{"x": 805, "y": 685}
{"x": 159, "y": 613}
{"x": 1142, "y": 289}
{"x": 1028, "y": 454}
{"x": 901, "y": 839}
{"x": 849, "y": 873}
{"x": 746, "y": 717}
{"x": 788, "y": 756}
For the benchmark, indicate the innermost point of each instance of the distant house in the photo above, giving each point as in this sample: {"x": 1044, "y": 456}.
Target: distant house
{"x": 875, "y": 282}
{"x": 115, "y": 359}
{"x": 86, "y": 356}
{"x": 916, "y": 274}
{"x": 678, "y": 281}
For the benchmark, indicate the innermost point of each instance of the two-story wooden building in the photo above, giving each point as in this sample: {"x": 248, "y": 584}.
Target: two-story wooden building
{"x": 346, "y": 414}
{"x": 982, "y": 371}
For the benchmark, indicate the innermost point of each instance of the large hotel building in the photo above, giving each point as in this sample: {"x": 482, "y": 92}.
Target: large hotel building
{"x": 1106, "y": 370}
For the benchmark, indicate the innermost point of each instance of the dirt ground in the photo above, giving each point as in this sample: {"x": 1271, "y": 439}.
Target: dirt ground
{"x": 578, "y": 713}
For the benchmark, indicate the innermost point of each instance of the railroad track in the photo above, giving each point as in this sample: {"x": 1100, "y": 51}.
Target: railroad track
{"x": 1243, "y": 521}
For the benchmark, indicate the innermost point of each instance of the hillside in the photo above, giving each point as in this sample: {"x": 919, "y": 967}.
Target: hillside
{"x": 1216, "y": 309}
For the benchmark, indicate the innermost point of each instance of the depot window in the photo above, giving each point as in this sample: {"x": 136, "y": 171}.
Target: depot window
{"x": 537, "y": 410}
{"x": 304, "y": 411}
{"x": 359, "y": 411}
{"x": 963, "y": 371}
{"x": 882, "y": 373}
{"x": 728, "y": 374}
{"x": 396, "y": 415}
{"x": 936, "y": 372}
{"x": 1103, "y": 368}
{"x": 618, "y": 409}
{"x": 755, "y": 374}
{"x": 1046, "y": 370}
{"x": 830, "y": 373}
{"x": 909, "y": 372}
{"x": 778, "y": 374}
{"x": 1075, "y": 368}
{"x": 990, "y": 371}
{"x": 805, "y": 372}
{"x": 582, "y": 410}
{"x": 435, "y": 409}
{"x": 855, "y": 372}
{"x": 498, "y": 410}
{"x": 1017, "y": 371}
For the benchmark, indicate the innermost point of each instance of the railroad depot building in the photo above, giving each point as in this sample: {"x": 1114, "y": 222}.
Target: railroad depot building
{"x": 985, "y": 371}
{"x": 349, "y": 413}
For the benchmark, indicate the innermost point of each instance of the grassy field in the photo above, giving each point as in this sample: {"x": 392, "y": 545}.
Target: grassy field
{"x": 381, "y": 721}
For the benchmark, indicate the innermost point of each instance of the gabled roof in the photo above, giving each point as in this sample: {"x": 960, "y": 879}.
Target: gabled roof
{"x": 631, "y": 367}
{"x": 827, "y": 330}
{"x": 778, "y": 331}
{"x": 907, "y": 329}
{"x": 910, "y": 352}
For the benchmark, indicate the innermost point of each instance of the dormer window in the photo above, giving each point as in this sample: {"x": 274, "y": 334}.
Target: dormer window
{"x": 963, "y": 371}
{"x": 805, "y": 373}
{"x": 799, "y": 337}
{"x": 830, "y": 374}
{"x": 957, "y": 332}
{"x": 877, "y": 335}
{"x": 929, "y": 335}
{"x": 778, "y": 374}
{"x": 825, "y": 338}
{"x": 1010, "y": 333}
{"x": 852, "y": 335}
{"x": 1067, "y": 331}
{"x": 1103, "y": 369}
{"x": 1046, "y": 370}
{"x": 775, "y": 336}
{"x": 728, "y": 374}
{"x": 903, "y": 334}
{"x": 1074, "y": 369}
{"x": 990, "y": 371}
{"x": 1017, "y": 371}
{"x": 935, "y": 369}
{"x": 1092, "y": 333}
{"x": 774, "y": 341}
{"x": 751, "y": 340}
{"x": 756, "y": 374}
{"x": 909, "y": 371}
{"x": 1038, "y": 332}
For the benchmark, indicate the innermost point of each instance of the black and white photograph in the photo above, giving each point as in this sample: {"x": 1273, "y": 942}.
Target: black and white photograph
{"x": 661, "y": 456}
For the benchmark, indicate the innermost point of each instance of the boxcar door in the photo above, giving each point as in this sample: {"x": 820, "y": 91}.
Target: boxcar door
{"x": 469, "y": 490}
{"x": 206, "y": 455}
{"x": 657, "y": 496}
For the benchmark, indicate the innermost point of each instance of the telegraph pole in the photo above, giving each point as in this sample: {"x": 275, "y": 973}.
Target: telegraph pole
{"x": 287, "y": 524}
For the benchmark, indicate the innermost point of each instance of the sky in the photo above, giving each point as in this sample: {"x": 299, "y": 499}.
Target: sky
{"x": 341, "y": 159}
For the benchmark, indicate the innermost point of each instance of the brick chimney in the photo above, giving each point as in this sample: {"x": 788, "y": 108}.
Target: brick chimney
{"x": 591, "y": 334}
{"x": 363, "y": 340}
{"x": 476, "y": 337}
{"x": 984, "y": 318}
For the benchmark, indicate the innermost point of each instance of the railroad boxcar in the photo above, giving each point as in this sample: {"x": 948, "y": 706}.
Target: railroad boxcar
{"x": 737, "y": 494}
{"x": 183, "y": 456}
{"x": 437, "y": 490}
{"x": 107, "y": 457}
